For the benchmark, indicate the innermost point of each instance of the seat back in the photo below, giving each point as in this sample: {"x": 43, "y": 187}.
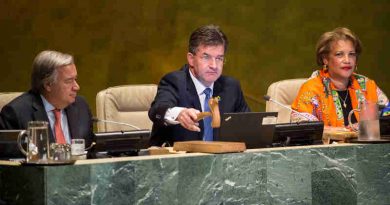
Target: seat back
{"x": 284, "y": 91}
{"x": 127, "y": 104}
{"x": 6, "y": 97}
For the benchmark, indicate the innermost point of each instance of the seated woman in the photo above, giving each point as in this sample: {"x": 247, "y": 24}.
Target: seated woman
{"x": 333, "y": 91}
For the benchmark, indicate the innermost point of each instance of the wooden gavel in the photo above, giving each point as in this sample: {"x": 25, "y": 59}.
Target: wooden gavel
{"x": 214, "y": 113}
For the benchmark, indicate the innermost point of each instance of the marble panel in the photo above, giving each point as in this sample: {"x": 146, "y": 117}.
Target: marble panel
{"x": 373, "y": 174}
{"x": 334, "y": 175}
{"x": 245, "y": 178}
{"x": 289, "y": 171}
{"x": 358, "y": 174}
{"x": 67, "y": 185}
{"x": 22, "y": 185}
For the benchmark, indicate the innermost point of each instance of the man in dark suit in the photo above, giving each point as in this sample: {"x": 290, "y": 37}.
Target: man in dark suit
{"x": 183, "y": 94}
{"x": 52, "y": 98}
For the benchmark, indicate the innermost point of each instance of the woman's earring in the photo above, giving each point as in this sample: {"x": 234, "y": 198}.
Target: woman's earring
{"x": 325, "y": 67}
{"x": 356, "y": 68}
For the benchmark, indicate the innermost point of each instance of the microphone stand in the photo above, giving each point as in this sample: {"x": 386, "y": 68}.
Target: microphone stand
{"x": 268, "y": 98}
{"x": 118, "y": 123}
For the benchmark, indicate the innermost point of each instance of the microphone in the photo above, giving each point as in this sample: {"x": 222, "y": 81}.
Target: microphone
{"x": 268, "y": 98}
{"x": 95, "y": 119}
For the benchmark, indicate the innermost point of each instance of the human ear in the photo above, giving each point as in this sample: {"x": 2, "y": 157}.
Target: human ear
{"x": 190, "y": 59}
{"x": 47, "y": 86}
{"x": 325, "y": 60}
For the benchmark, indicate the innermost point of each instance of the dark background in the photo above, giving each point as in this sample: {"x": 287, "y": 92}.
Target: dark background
{"x": 137, "y": 42}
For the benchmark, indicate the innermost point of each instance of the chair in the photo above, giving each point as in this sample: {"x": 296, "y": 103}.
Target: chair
{"x": 7, "y": 97}
{"x": 126, "y": 104}
{"x": 283, "y": 91}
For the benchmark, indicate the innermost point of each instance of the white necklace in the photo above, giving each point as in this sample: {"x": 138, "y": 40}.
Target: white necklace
{"x": 344, "y": 100}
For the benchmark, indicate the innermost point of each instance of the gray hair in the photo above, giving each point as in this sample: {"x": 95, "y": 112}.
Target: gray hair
{"x": 45, "y": 67}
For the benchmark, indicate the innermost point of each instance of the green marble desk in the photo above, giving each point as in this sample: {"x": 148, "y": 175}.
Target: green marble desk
{"x": 324, "y": 174}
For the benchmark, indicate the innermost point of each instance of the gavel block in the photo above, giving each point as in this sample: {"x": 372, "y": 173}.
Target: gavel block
{"x": 209, "y": 147}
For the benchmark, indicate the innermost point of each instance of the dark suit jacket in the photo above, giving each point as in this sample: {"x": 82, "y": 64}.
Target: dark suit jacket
{"x": 176, "y": 89}
{"x": 29, "y": 107}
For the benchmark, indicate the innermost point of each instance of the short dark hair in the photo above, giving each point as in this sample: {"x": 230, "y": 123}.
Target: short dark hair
{"x": 209, "y": 35}
{"x": 45, "y": 67}
{"x": 325, "y": 42}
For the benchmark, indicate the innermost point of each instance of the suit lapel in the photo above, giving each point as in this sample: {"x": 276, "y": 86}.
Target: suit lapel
{"x": 192, "y": 94}
{"x": 217, "y": 88}
{"x": 217, "y": 91}
{"x": 40, "y": 114}
{"x": 193, "y": 99}
{"x": 72, "y": 115}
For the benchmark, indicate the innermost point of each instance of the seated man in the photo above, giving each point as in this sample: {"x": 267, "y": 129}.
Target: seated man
{"x": 182, "y": 94}
{"x": 52, "y": 98}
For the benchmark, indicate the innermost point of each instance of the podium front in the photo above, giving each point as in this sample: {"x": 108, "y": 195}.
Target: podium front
{"x": 321, "y": 174}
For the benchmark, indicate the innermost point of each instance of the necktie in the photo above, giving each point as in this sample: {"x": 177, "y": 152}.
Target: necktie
{"x": 208, "y": 130}
{"x": 60, "y": 138}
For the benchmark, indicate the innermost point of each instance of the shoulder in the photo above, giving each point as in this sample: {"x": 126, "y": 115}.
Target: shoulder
{"x": 313, "y": 83}
{"x": 228, "y": 81}
{"x": 360, "y": 76}
{"x": 177, "y": 79}
{"x": 365, "y": 83}
{"x": 311, "y": 87}
{"x": 16, "y": 113}
{"x": 182, "y": 73}
{"x": 227, "y": 86}
{"x": 79, "y": 106}
{"x": 362, "y": 79}
{"x": 23, "y": 100}
{"x": 80, "y": 101}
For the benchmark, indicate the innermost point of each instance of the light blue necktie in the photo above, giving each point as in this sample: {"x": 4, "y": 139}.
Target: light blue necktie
{"x": 208, "y": 130}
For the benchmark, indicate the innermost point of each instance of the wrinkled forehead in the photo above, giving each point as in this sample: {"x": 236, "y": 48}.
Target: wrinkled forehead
{"x": 214, "y": 50}
{"x": 67, "y": 70}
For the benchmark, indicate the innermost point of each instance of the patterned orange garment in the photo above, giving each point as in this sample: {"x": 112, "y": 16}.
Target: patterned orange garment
{"x": 318, "y": 99}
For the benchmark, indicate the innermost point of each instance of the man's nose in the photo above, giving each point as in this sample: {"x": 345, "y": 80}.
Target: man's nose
{"x": 76, "y": 86}
{"x": 213, "y": 62}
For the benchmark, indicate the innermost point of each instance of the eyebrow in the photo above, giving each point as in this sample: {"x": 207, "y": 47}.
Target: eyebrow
{"x": 211, "y": 55}
{"x": 71, "y": 78}
{"x": 345, "y": 52}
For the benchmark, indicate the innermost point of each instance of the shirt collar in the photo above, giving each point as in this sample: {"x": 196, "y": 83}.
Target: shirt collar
{"x": 48, "y": 107}
{"x": 199, "y": 86}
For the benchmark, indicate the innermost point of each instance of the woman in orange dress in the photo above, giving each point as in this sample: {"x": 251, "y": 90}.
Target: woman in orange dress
{"x": 333, "y": 91}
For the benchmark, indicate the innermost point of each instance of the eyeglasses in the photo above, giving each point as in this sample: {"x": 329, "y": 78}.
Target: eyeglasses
{"x": 205, "y": 58}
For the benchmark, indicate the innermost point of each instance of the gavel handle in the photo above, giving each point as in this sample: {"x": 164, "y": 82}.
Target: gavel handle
{"x": 216, "y": 118}
{"x": 202, "y": 115}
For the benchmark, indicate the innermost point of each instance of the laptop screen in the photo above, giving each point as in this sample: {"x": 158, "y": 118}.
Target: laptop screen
{"x": 302, "y": 133}
{"x": 384, "y": 123}
{"x": 121, "y": 141}
{"x": 9, "y": 144}
{"x": 253, "y": 128}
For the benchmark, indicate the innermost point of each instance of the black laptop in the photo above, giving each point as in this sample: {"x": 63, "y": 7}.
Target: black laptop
{"x": 298, "y": 133}
{"x": 256, "y": 129}
{"x": 9, "y": 144}
{"x": 384, "y": 123}
{"x": 122, "y": 141}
